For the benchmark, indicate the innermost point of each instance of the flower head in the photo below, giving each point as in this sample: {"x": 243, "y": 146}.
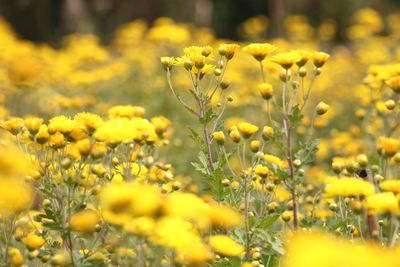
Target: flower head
{"x": 259, "y": 50}
{"x": 247, "y": 129}
{"x": 347, "y": 187}
{"x": 226, "y": 246}
{"x": 286, "y": 60}
{"x": 382, "y": 203}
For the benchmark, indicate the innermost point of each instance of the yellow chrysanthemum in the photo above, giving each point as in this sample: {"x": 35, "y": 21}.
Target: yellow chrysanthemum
{"x": 382, "y": 203}
{"x": 259, "y": 50}
{"x": 226, "y": 246}
{"x": 347, "y": 187}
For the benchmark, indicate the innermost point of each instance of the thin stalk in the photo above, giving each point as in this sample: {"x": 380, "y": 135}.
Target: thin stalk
{"x": 246, "y": 216}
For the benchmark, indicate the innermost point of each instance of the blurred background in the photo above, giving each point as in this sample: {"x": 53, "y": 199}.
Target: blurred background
{"x": 67, "y": 56}
{"x": 49, "y": 20}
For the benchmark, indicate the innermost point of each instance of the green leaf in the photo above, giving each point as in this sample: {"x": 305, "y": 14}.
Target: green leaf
{"x": 307, "y": 151}
{"x": 202, "y": 165}
{"x": 296, "y": 116}
{"x": 208, "y": 116}
{"x": 197, "y": 139}
{"x": 268, "y": 221}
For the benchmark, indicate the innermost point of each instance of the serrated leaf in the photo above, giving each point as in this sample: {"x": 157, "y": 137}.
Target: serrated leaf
{"x": 208, "y": 116}
{"x": 306, "y": 152}
{"x": 268, "y": 221}
{"x": 197, "y": 139}
{"x": 296, "y": 116}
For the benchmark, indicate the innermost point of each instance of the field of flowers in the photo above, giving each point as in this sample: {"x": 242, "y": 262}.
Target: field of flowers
{"x": 170, "y": 147}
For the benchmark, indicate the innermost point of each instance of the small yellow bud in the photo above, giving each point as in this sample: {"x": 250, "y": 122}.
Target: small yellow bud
{"x": 322, "y": 108}
{"x": 235, "y": 135}
{"x": 333, "y": 207}
{"x": 390, "y": 104}
{"x": 167, "y": 62}
{"x": 219, "y": 137}
{"x": 286, "y": 216}
{"x": 302, "y": 72}
{"x": 362, "y": 160}
{"x": 394, "y": 84}
{"x": 297, "y": 163}
{"x": 188, "y": 65}
{"x": 255, "y": 146}
{"x": 337, "y": 167}
{"x": 225, "y": 84}
{"x": 226, "y": 182}
{"x": 360, "y": 113}
{"x": 176, "y": 185}
{"x": 267, "y": 132}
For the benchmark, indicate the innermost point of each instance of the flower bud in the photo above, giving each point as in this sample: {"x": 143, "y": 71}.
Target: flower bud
{"x": 302, "y": 72}
{"x": 219, "y": 137}
{"x": 390, "y": 104}
{"x": 225, "y": 84}
{"x": 235, "y": 136}
{"x": 266, "y": 90}
{"x": 267, "y": 132}
{"x": 362, "y": 160}
{"x": 255, "y": 146}
{"x": 188, "y": 65}
{"x": 297, "y": 163}
{"x": 322, "y": 108}
{"x": 167, "y": 62}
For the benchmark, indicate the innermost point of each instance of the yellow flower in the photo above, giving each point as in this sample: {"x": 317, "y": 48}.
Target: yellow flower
{"x": 126, "y": 112}
{"x": 43, "y": 134}
{"x": 14, "y": 126}
{"x": 121, "y": 202}
{"x": 219, "y": 137}
{"x": 17, "y": 259}
{"x": 319, "y": 250}
{"x": 84, "y": 221}
{"x": 261, "y": 170}
{"x": 167, "y": 62}
{"x": 267, "y": 132}
{"x": 228, "y": 50}
{"x": 286, "y": 60}
{"x": 188, "y": 246}
{"x": 125, "y": 130}
{"x": 188, "y": 207}
{"x": 61, "y": 124}
{"x": 348, "y": 187}
{"x": 223, "y": 216}
{"x": 259, "y": 50}
{"x": 33, "y": 124}
{"x": 319, "y": 58}
{"x": 266, "y": 90}
{"x": 273, "y": 160}
{"x": 57, "y": 140}
{"x": 89, "y": 120}
{"x": 247, "y": 129}
{"x": 14, "y": 162}
{"x": 15, "y": 195}
{"x": 160, "y": 123}
{"x": 394, "y": 84}
{"x": 225, "y": 246}
{"x": 304, "y": 57}
{"x": 141, "y": 226}
{"x": 390, "y": 185}
{"x": 33, "y": 241}
{"x": 387, "y": 146}
{"x": 382, "y": 203}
